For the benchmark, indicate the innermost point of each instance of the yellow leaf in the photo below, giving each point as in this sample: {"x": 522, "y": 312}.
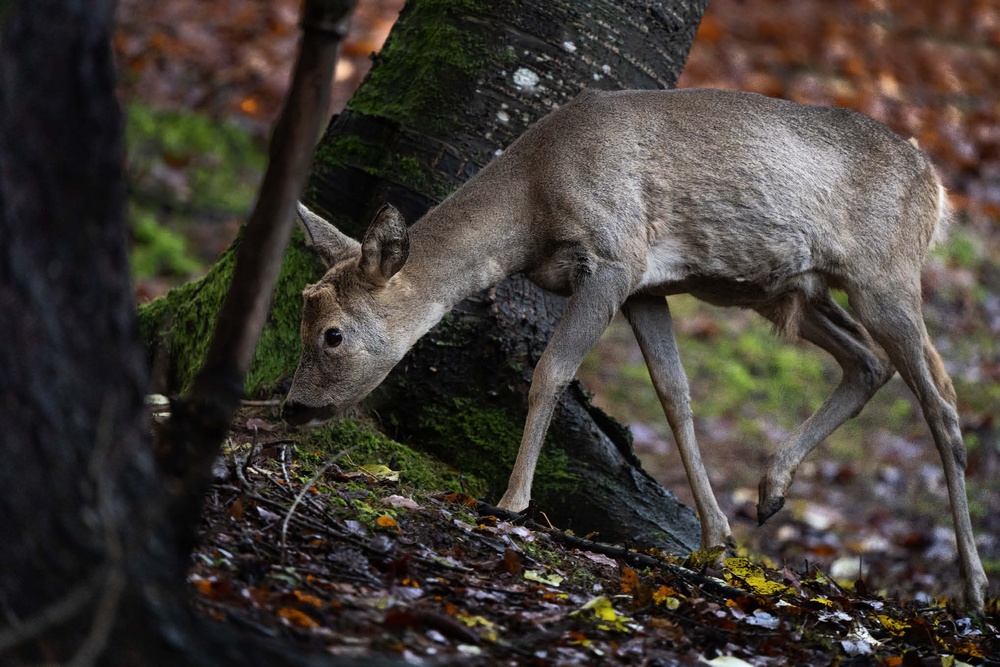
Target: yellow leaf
{"x": 742, "y": 571}
{"x": 382, "y": 473}
{"x": 892, "y": 625}
{"x": 703, "y": 558}
{"x": 969, "y": 649}
{"x": 490, "y": 629}
{"x": 667, "y": 597}
{"x": 476, "y": 621}
{"x": 542, "y": 578}
{"x": 600, "y": 610}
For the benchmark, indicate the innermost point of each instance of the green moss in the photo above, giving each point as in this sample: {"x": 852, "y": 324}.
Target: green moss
{"x": 366, "y": 445}
{"x": 280, "y": 346}
{"x": 353, "y": 151}
{"x": 486, "y": 440}
{"x": 180, "y": 324}
{"x": 350, "y": 151}
{"x": 427, "y": 46}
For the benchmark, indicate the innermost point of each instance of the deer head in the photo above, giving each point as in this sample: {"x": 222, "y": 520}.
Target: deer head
{"x": 354, "y": 319}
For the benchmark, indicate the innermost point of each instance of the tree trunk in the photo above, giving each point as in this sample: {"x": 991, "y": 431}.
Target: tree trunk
{"x": 91, "y": 570}
{"x": 457, "y": 81}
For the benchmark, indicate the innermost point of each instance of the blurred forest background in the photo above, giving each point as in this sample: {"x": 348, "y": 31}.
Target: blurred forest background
{"x": 202, "y": 83}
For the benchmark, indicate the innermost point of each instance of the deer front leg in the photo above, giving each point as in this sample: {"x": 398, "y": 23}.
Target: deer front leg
{"x": 654, "y": 331}
{"x": 595, "y": 301}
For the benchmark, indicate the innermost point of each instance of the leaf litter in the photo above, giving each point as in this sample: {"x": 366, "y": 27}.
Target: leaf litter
{"x": 372, "y": 565}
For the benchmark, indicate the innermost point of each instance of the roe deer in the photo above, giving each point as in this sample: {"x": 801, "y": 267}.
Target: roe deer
{"x": 622, "y": 199}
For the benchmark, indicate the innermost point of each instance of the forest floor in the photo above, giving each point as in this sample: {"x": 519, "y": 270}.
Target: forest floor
{"x": 361, "y": 569}
{"x": 350, "y": 553}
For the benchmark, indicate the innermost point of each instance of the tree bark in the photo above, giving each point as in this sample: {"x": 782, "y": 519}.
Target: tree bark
{"x": 457, "y": 81}
{"x": 91, "y": 572}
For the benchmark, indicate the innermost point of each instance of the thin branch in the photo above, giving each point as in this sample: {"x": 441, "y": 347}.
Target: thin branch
{"x": 298, "y": 499}
{"x": 202, "y": 419}
{"x": 634, "y": 558}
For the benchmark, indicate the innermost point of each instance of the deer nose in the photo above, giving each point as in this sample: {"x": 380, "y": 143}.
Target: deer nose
{"x": 294, "y": 413}
{"x": 298, "y": 414}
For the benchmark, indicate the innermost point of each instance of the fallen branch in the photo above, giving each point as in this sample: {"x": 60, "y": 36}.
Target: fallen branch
{"x": 633, "y": 558}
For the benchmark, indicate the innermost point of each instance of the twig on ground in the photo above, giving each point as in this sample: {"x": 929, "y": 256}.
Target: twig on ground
{"x": 298, "y": 499}
{"x": 634, "y": 558}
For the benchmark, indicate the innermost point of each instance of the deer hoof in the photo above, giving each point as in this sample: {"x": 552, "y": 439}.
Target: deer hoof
{"x": 768, "y": 507}
{"x": 512, "y": 504}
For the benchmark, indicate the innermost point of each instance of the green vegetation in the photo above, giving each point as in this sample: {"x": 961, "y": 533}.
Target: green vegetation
{"x": 184, "y": 167}
{"x": 445, "y": 52}
{"x": 158, "y": 250}
{"x": 364, "y": 445}
{"x": 486, "y": 440}
{"x": 179, "y": 325}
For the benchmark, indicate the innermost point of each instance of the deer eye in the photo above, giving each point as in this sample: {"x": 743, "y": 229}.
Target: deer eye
{"x": 333, "y": 337}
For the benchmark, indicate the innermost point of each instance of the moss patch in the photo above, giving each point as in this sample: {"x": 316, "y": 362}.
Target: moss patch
{"x": 372, "y": 158}
{"x": 365, "y": 445}
{"x": 180, "y": 324}
{"x": 428, "y": 45}
{"x": 486, "y": 440}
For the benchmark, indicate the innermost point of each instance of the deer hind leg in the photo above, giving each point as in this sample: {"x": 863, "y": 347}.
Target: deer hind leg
{"x": 865, "y": 369}
{"x": 596, "y": 298}
{"x": 894, "y": 318}
{"x": 653, "y": 328}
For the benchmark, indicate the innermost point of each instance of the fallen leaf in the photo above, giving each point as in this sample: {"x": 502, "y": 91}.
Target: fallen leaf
{"x": 763, "y": 619}
{"x": 897, "y": 628}
{"x": 542, "y": 578}
{"x": 308, "y": 599}
{"x": 743, "y": 571}
{"x": 600, "y": 558}
{"x": 666, "y": 596}
{"x": 295, "y": 617}
{"x": 601, "y": 610}
{"x": 387, "y": 521}
{"x": 630, "y": 581}
{"x": 260, "y": 424}
{"x": 267, "y": 514}
{"x": 381, "y": 473}
{"x": 236, "y": 510}
{"x": 702, "y": 558}
{"x": 401, "y": 501}
{"x": 462, "y": 499}
{"x": 512, "y": 562}
{"x": 727, "y": 661}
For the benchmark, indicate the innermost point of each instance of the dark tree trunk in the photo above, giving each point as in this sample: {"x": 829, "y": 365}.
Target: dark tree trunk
{"x": 431, "y": 113}
{"x": 91, "y": 572}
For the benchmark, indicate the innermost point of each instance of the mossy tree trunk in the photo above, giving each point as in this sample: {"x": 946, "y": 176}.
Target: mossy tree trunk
{"x": 458, "y": 81}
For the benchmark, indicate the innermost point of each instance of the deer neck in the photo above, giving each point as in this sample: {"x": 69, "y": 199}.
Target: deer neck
{"x": 470, "y": 242}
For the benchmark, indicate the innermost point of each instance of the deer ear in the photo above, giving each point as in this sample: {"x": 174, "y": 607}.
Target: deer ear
{"x": 385, "y": 246}
{"x": 329, "y": 243}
